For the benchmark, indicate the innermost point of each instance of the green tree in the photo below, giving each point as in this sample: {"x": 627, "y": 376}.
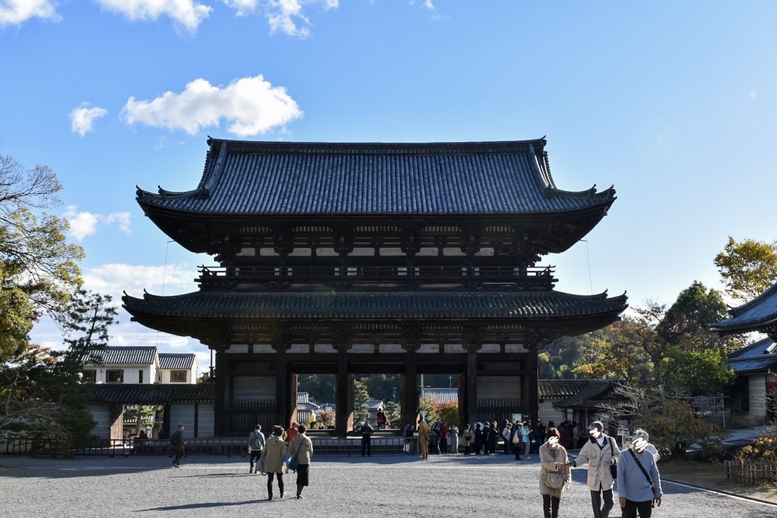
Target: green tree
{"x": 392, "y": 414}
{"x": 42, "y": 389}
{"x": 672, "y": 422}
{"x": 321, "y": 387}
{"x": 695, "y": 373}
{"x": 361, "y": 399}
{"x": 38, "y": 269}
{"x": 748, "y": 267}
{"x": 686, "y": 323}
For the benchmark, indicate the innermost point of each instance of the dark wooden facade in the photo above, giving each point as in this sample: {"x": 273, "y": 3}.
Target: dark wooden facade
{"x": 375, "y": 258}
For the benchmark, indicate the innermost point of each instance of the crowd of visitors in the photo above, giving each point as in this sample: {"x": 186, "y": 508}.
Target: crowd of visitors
{"x": 636, "y": 473}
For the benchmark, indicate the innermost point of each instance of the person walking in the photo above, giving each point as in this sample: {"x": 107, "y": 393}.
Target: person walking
{"x": 639, "y": 482}
{"x": 516, "y": 439}
{"x": 526, "y": 434}
{"x": 178, "y": 443}
{"x": 600, "y": 453}
{"x": 275, "y": 455}
{"x": 507, "y": 433}
{"x": 423, "y": 438}
{"x": 554, "y": 473}
{"x": 255, "y": 446}
{"x": 453, "y": 439}
{"x": 302, "y": 447}
{"x": 366, "y": 431}
{"x": 469, "y": 439}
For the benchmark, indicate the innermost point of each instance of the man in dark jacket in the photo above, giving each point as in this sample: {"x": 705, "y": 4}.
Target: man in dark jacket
{"x": 178, "y": 444}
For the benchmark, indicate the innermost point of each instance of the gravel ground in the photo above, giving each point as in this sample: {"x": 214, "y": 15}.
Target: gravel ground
{"x": 381, "y": 485}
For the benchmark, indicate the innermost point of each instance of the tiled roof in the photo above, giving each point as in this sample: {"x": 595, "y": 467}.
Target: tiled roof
{"x": 442, "y": 395}
{"x": 760, "y": 356}
{"x": 760, "y": 314}
{"x": 121, "y": 355}
{"x": 176, "y": 361}
{"x": 389, "y": 305}
{"x": 277, "y": 178}
{"x": 558, "y": 389}
{"x": 598, "y": 392}
{"x": 153, "y": 394}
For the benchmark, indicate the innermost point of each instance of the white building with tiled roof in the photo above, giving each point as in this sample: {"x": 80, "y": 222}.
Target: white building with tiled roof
{"x": 139, "y": 365}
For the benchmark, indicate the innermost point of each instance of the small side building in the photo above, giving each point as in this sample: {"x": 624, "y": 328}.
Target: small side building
{"x": 143, "y": 377}
{"x": 752, "y": 399}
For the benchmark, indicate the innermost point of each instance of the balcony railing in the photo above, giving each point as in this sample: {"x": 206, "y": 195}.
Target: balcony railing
{"x": 225, "y": 277}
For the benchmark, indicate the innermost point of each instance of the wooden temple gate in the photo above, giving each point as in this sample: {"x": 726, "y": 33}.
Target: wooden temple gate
{"x": 375, "y": 258}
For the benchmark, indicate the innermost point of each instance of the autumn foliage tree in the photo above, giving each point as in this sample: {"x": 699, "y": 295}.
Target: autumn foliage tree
{"x": 748, "y": 267}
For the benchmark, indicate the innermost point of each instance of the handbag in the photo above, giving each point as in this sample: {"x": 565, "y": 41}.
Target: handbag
{"x": 613, "y": 467}
{"x": 294, "y": 463}
{"x": 555, "y": 479}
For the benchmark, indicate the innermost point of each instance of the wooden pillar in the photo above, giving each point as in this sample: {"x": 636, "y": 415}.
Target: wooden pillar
{"x": 472, "y": 386}
{"x": 281, "y": 388}
{"x": 219, "y": 413}
{"x": 532, "y": 384}
{"x": 293, "y": 384}
{"x": 342, "y": 389}
{"x": 409, "y": 392}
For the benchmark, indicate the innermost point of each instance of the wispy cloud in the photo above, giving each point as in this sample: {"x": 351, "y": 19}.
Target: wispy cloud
{"x": 284, "y": 16}
{"x": 84, "y": 224}
{"x": 243, "y": 7}
{"x": 16, "y": 12}
{"x": 185, "y": 13}
{"x": 82, "y": 118}
{"x": 252, "y": 106}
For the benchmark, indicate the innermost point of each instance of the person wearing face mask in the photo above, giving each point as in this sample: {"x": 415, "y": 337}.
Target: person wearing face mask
{"x": 600, "y": 452}
{"x": 639, "y": 483}
{"x": 554, "y": 473}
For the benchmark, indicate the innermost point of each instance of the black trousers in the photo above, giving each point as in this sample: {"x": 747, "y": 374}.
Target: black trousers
{"x": 366, "y": 445}
{"x": 550, "y": 506}
{"x": 270, "y": 477}
{"x": 180, "y": 451}
{"x": 255, "y": 454}
{"x": 645, "y": 509}
{"x": 601, "y": 511}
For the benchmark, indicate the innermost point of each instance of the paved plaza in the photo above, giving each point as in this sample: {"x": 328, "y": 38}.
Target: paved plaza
{"x": 382, "y": 485}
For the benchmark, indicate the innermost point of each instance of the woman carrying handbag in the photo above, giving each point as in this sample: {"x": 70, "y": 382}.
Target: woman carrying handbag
{"x": 302, "y": 449}
{"x": 554, "y": 473}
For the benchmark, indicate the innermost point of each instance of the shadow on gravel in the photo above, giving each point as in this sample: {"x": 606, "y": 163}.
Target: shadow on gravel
{"x": 209, "y": 505}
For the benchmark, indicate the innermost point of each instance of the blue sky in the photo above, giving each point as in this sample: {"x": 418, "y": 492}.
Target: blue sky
{"x": 675, "y": 103}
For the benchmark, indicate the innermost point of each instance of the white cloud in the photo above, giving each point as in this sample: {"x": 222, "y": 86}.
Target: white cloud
{"x": 114, "y": 279}
{"x": 84, "y": 224}
{"x": 82, "y": 118}
{"x": 187, "y": 13}
{"x": 243, "y": 7}
{"x": 252, "y": 105}
{"x": 16, "y": 12}
{"x": 282, "y": 15}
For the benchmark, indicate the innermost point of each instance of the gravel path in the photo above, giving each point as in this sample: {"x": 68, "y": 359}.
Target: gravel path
{"x": 385, "y": 485}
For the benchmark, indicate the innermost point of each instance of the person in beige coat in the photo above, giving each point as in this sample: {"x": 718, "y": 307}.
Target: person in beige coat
{"x": 302, "y": 446}
{"x": 275, "y": 452}
{"x": 600, "y": 452}
{"x": 553, "y": 460}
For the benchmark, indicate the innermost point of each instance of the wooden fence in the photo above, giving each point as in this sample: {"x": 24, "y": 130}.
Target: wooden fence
{"x": 752, "y": 471}
{"x": 227, "y": 446}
